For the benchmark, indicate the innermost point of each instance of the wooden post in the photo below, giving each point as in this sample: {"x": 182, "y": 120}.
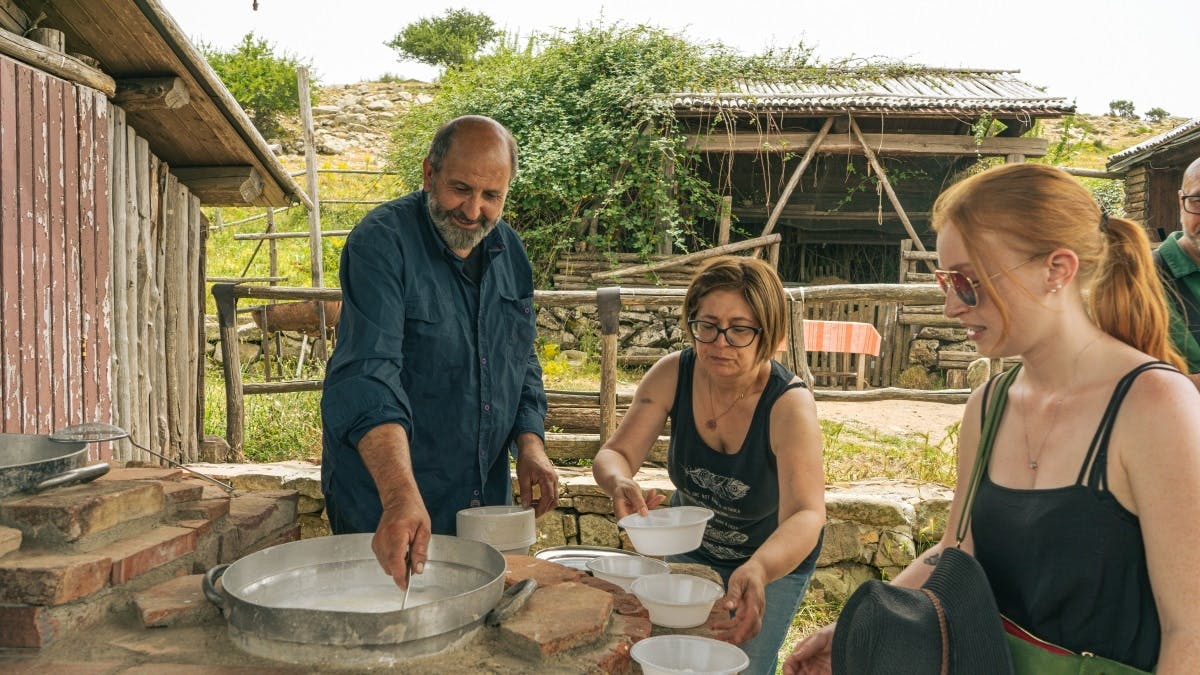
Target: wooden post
{"x": 773, "y": 255}
{"x": 795, "y": 179}
{"x": 795, "y": 357}
{"x": 232, "y": 367}
{"x": 887, "y": 186}
{"x": 314, "y": 214}
{"x": 608, "y": 307}
{"x": 726, "y": 217}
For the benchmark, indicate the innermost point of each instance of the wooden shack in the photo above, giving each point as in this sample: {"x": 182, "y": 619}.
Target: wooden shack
{"x": 1153, "y": 172}
{"x": 847, "y": 167}
{"x": 113, "y": 132}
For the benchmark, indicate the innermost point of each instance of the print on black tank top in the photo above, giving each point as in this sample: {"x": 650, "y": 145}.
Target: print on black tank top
{"x": 1068, "y": 563}
{"x": 742, "y": 489}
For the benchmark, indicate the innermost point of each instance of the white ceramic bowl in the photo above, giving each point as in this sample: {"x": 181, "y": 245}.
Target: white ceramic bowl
{"x": 511, "y": 529}
{"x": 669, "y": 531}
{"x": 676, "y": 600}
{"x": 622, "y": 570}
{"x": 667, "y": 654}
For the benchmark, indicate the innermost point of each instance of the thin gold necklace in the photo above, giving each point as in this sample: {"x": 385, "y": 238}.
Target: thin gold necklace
{"x": 1032, "y": 462}
{"x": 712, "y": 421}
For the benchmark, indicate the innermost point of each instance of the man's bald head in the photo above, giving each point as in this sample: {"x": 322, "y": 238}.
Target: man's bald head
{"x": 476, "y": 125}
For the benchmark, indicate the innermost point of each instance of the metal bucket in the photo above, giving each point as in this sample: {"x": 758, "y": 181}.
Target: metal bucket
{"x": 326, "y": 601}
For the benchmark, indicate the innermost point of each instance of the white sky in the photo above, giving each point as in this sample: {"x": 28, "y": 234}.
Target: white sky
{"x": 1091, "y": 51}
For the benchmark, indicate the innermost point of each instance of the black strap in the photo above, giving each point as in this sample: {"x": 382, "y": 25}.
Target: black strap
{"x": 1184, "y": 300}
{"x": 993, "y": 411}
{"x": 1097, "y": 455}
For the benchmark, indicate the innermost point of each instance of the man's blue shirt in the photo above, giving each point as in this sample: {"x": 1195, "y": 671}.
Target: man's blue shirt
{"x": 421, "y": 345}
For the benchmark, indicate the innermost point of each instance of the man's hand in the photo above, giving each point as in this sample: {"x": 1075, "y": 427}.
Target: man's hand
{"x": 404, "y": 525}
{"x": 812, "y": 655}
{"x": 535, "y": 468}
{"x": 746, "y": 598}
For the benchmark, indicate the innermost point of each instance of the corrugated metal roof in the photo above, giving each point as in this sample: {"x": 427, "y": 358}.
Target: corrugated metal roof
{"x": 918, "y": 91}
{"x": 1181, "y": 134}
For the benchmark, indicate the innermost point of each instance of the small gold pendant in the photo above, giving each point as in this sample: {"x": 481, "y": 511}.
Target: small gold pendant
{"x": 1033, "y": 465}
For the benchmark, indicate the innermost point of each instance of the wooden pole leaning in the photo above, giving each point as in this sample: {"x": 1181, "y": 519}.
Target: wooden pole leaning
{"x": 231, "y": 365}
{"x": 608, "y": 306}
{"x": 795, "y": 179}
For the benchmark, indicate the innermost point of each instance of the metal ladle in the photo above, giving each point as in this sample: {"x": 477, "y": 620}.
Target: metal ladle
{"x": 99, "y": 432}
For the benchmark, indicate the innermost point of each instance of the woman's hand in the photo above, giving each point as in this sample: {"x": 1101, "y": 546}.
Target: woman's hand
{"x": 812, "y": 655}
{"x": 627, "y": 498}
{"x": 746, "y": 599}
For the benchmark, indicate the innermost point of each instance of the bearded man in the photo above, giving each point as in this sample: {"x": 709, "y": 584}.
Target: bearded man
{"x": 434, "y": 381}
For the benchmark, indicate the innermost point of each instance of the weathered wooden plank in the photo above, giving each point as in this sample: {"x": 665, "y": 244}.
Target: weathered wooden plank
{"x": 924, "y": 319}
{"x": 122, "y": 373}
{"x": 56, "y": 63}
{"x": 61, "y": 389}
{"x": 89, "y": 253}
{"x": 175, "y": 305}
{"x": 40, "y": 271}
{"x": 143, "y": 281}
{"x": 690, "y": 257}
{"x": 12, "y": 18}
{"x": 10, "y": 244}
{"x": 192, "y": 424}
{"x": 885, "y": 144}
{"x": 133, "y": 176}
{"x": 165, "y": 182}
{"x": 892, "y": 393}
{"x": 71, "y": 245}
{"x": 100, "y": 111}
{"x": 585, "y": 446}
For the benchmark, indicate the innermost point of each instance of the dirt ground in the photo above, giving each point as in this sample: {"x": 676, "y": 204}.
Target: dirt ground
{"x": 895, "y": 416}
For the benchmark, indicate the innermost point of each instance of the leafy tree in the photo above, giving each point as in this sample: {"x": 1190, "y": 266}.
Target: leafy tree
{"x": 261, "y": 81}
{"x": 1122, "y": 108}
{"x": 1157, "y": 114}
{"x": 446, "y": 41}
{"x": 597, "y": 131}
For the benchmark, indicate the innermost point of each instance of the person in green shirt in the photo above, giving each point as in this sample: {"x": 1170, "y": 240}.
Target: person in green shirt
{"x": 1179, "y": 265}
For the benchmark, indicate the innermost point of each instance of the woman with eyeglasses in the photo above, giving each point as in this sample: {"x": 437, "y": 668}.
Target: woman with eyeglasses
{"x": 1086, "y": 511}
{"x": 745, "y": 443}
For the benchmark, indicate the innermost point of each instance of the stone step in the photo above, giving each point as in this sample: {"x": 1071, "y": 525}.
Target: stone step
{"x": 84, "y": 516}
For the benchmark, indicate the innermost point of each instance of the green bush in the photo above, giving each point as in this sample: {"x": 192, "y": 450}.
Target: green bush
{"x": 446, "y": 41}
{"x": 1122, "y": 108}
{"x": 1157, "y": 115}
{"x": 261, "y": 81}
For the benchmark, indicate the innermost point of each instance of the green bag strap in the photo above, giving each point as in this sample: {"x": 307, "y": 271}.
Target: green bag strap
{"x": 991, "y": 422}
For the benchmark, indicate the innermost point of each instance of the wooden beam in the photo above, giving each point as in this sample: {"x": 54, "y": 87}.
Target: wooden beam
{"x": 798, "y": 212}
{"x": 152, "y": 93}
{"x": 888, "y": 144}
{"x": 222, "y": 185}
{"x": 690, "y": 257}
{"x": 795, "y": 179}
{"x": 13, "y": 18}
{"x": 887, "y": 186}
{"x": 55, "y": 63}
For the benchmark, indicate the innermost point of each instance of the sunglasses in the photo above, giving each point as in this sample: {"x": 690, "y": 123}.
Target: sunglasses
{"x": 967, "y": 288}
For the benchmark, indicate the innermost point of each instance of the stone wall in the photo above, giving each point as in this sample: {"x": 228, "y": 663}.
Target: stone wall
{"x": 874, "y": 528}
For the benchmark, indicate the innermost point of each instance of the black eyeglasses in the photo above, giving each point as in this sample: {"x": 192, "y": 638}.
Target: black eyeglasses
{"x": 1191, "y": 203}
{"x": 735, "y": 336}
{"x": 965, "y": 287}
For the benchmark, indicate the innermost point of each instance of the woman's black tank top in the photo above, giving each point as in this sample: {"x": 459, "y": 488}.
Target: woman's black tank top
{"x": 1068, "y": 563}
{"x": 742, "y": 489}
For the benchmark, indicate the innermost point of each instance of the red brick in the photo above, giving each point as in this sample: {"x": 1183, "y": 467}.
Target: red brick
{"x": 52, "y": 578}
{"x": 193, "y": 669}
{"x": 41, "y": 666}
{"x": 142, "y": 473}
{"x": 202, "y": 527}
{"x": 262, "y": 513}
{"x": 66, "y": 514}
{"x": 521, "y": 567}
{"x": 558, "y": 618}
{"x": 10, "y": 540}
{"x": 177, "y": 602}
{"x": 601, "y": 585}
{"x": 137, "y": 555}
{"x": 204, "y": 509}
{"x": 633, "y": 627}
{"x": 627, "y": 604}
{"x": 175, "y": 493}
{"x": 22, "y": 626}
{"x": 288, "y": 534}
{"x": 612, "y": 657}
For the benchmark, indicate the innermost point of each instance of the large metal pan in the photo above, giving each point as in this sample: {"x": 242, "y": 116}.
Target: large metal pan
{"x": 31, "y": 463}
{"x": 326, "y": 602}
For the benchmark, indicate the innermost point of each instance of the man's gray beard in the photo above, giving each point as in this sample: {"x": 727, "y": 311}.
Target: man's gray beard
{"x": 455, "y": 237}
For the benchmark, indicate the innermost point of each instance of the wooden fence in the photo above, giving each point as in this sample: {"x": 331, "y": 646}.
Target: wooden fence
{"x": 804, "y": 302}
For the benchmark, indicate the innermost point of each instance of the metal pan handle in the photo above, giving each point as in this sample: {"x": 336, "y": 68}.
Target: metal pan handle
{"x": 209, "y": 584}
{"x": 511, "y": 602}
{"x": 81, "y": 475}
